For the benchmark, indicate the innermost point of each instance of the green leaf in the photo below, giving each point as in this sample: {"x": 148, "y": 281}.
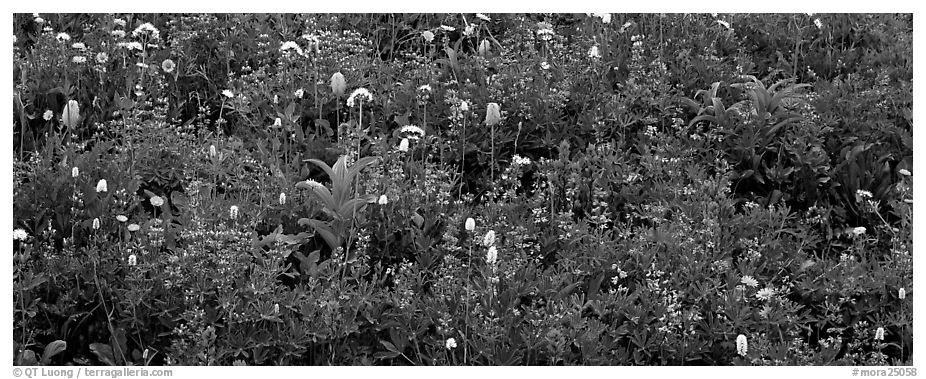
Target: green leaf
{"x": 53, "y": 349}
{"x": 104, "y": 353}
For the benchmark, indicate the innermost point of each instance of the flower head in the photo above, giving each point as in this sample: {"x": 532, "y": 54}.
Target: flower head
{"x": 879, "y": 334}
{"x": 233, "y": 212}
{"x": 48, "y": 115}
{"x": 276, "y": 99}
{"x": 593, "y": 52}
{"x": 148, "y": 29}
{"x": 157, "y": 201}
{"x": 96, "y": 223}
{"x": 70, "y": 115}
{"x": 133, "y": 260}
{"x": 464, "y": 106}
{"x": 749, "y": 281}
{"x": 63, "y": 37}
{"x": 212, "y": 152}
{"x": 118, "y": 34}
{"x": 80, "y": 59}
{"x": 119, "y": 21}
{"x": 39, "y": 20}
{"x": 451, "y": 343}
{"x": 470, "y": 224}
{"x": 863, "y": 194}
{"x": 427, "y": 35}
{"x": 484, "y": 47}
{"x": 79, "y": 46}
{"x": 290, "y": 45}
{"x": 904, "y": 172}
{"x": 20, "y": 234}
{"x": 383, "y": 200}
{"x": 765, "y": 293}
{"x": 101, "y": 186}
{"x": 469, "y": 30}
{"x": 742, "y": 346}
{"x": 75, "y": 172}
{"x": 133, "y": 227}
{"x": 858, "y": 231}
{"x": 605, "y": 17}
{"x": 338, "y": 84}
{"x": 299, "y": 93}
{"x": 228, "y": 93}
{"x": 168, "y": 66}
{"x": 282, "y": 198}
{"x": 403, "y": 145}
{"x": 483, "y": 17}
{"x": 493, "y": 114}
{"x": 122, "y": 218}
{"x": 102, "y": 57}
{"x": 489, "y": 239}
{"x": 492, "y": 255}
{"x": 817, "y": 22}
{"x": 902, "y": 293}
{"x": 359, "y": 92}
{"x": 447, "y": 28}
{"x": 413, "y": 130}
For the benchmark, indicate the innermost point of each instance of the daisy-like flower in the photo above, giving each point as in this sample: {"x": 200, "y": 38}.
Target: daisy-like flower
{"x": 749, "y": 281}
{"x": 593, "y": 52}
{"x": 413, "y": 130}
{"x": 101, "y": 186}
{"x": 489, "y": 239}
{"x": 168, "y": 66}
{"x": 362, "y": 93}
{"x": 451, "y": 343}
{"x": 290, "y": 45}
{"x": 20, "y": 234}
{"x": 879, "y": 334}
{"x": 133, "y": 227}
{"x": 470, "y": 224}
{"x": 96, "y": 223}
{"x": 403, "y": 145}
{"x": 133, "y": 260}
{"x": 102, "y": 58}
{"x": 282, "y": 198}
{"x": 483, "y": 17}
{"x": 79, "y": 59}
{"x": 228, "y": 93}
{"x": 447, "y": 28}
{"x": 122, "y": 218}
{"x": 299, "y": 93}
{"x": 118, "y": 34}
{"x": 338, "y": 84}
{"x": 233, "y": 212}
{"x": 742, "y": 346}
{"x": 383, "y": 200}
{"x": 904, "y": 172}
{"x": 493, "y": 114}
{"x": 48, "y": 115}
{"x": 492, "y": 255}
{"x": 427, "y": 35}
{"x": 119, "y": 21}
{"x": 157, "y": 201}
{"x": 902, "y": 293}
{"x": 75, "y": 172}
{"x": 63, "y": 37}
{"x": 765, "y": 293}
{"x": 79, "y": 46}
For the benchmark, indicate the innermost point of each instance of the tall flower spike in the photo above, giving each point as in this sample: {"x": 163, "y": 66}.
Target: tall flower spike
{"x": 493, "y": 114}
{"x": 338, "y": 84}
{"x": 742, "y": 346}
{"x": 71, "y": 114}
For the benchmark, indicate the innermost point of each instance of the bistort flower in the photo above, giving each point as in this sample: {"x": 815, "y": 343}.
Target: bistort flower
{"x": 489, "y": 239}
{"x": 122, "y": 218}
{"x": 75, "y": 172}
{"x": 133, "y": 227}
{"x": 493, "y": 114}
{"x": 470, "y": 224}
{"x": 742, "y": 346}
{"x": 133, "y": 260}
{"x": 101, "y": 186}
{"x": 902, "y": 293}
{"x": 96, "y": 223}
{"x": 879, "y": 334}
{"x": 233, "y": 212}
{"x": 492, "y": 255}
{"x": 338, "y": 84}
{"x": 282, "y": 198}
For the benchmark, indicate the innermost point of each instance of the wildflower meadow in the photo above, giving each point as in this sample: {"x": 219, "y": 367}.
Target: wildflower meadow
{"x": 462, "y": 189}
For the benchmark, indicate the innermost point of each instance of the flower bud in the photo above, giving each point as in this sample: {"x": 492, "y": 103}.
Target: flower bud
{"x": 338, "y": 84}
{"x": 470, "y": 224}
{"x": 493, "y": 114}
{"x": 71, "y": 114}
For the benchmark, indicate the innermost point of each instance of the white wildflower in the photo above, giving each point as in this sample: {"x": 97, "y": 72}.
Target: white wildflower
{"x": 362, "y": 93}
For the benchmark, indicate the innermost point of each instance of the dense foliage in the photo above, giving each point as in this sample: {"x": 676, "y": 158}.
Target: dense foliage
{"x": 415, "y": 189}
